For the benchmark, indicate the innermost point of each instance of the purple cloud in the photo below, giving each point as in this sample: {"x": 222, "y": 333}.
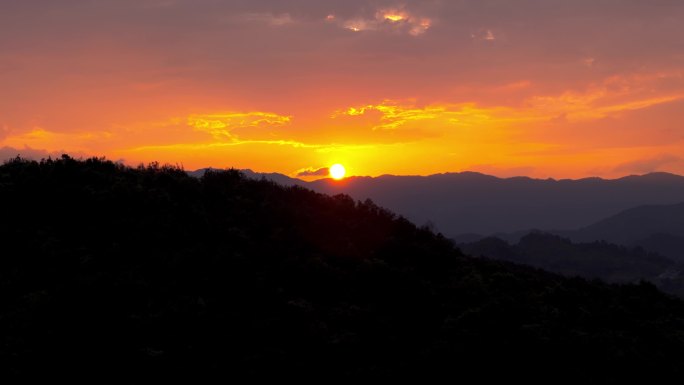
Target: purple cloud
{"x": 647, "y": 165}
{"x": 323, "y": 171}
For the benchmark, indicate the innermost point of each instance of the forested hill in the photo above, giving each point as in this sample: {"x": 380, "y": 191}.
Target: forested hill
{"x": 111, "y": 274}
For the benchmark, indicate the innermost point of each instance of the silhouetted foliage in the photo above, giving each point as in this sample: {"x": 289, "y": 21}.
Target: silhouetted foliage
{"x": 112, "y": 274}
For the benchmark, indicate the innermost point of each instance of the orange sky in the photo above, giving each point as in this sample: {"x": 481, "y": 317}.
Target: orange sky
{"x": 545, "y": 89}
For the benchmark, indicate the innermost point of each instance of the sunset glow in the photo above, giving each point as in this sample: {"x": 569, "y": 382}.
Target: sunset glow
{"x": 399, "y": 88}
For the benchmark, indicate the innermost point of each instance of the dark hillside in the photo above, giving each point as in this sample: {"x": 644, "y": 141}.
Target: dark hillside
{"x": 116, "y": 275}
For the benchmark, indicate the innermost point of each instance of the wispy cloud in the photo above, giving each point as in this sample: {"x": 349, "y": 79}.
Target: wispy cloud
{"x": 39, "y": 137}
{"x": 397, "y": 19}
{"x": 613, "y": 95}
{"x": 276, "y": 20}
{"x": 323, "y": 171}
{"x": 7, "y": 153}
{"x": 396, "y": 114}
{"x": 647, "y": 165}
{"x": 502, "y": 171}
{"x": 220, "y": 125}
{"x": 4, "y": 131}
{"x": 484, "y": 35}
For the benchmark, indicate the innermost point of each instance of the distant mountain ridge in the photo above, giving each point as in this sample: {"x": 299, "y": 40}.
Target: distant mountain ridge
{"x": 592, "y": 260}
{"x": 652, "y": 228}
{"x": 637, "y": 223}
{"x": 657, "y": 228}
{"x": 471, "y": 202}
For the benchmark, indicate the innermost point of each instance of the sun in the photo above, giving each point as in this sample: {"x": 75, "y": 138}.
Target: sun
{"x": 337, "y": 171}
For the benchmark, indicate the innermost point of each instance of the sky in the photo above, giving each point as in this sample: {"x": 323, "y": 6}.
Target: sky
{"x": 542, "y": 88}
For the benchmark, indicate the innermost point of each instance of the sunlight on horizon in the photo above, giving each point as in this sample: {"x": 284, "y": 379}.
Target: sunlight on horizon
{"x": 337, "y": 171}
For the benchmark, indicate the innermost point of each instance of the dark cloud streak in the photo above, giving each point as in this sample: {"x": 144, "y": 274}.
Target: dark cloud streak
{"x": 323, "y": 171}
{"x": 647, "y": 165}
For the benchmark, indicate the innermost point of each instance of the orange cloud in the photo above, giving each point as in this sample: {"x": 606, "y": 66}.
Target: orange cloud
{"x": 221, "y": 125}
{"x": 614, "y": 95}
{"x": 395, "y": 114}
{"x": 40, "y": 138}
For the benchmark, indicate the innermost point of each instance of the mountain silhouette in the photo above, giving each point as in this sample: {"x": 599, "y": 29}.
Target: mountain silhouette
{"x": 669, "y": 245}
{"x": 112, "y": 274}
{"x": 658, "y": 228}
{"x": 592, "y": 260}
{"x": 474, "y": 203}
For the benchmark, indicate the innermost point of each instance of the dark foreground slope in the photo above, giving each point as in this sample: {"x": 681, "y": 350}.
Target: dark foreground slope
{"x": 116, "y": 275}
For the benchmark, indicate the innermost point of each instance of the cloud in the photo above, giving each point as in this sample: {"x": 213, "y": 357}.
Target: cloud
{"x": 7, "y": 153}
{"x": 276, "y": 20}
{"x": 397, "y": 19}
{"x": 396, "y": 114}
{"x": 502, "y": 171}
{"x": 484, "y": 35}
{"x": 323, "y": 171}
{"x": 56, "y": 141}
{"x": 220, "y": 125}
{"x": 608, "y": 97}
{"x": 648, "y": 164}
{"x": 357, "y": 25}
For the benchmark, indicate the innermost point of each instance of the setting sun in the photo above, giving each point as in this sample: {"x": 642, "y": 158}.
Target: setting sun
{"x": 337, "y": 171}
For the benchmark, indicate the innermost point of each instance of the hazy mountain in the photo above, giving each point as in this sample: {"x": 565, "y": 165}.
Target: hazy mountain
{"x": 636, "y": 223}
{"x": 609, "y": 262}
{"x": 659, "y": 228}
{"x": 117, "y": 275}
{"x": 475, "y": 203}
{"x": 668, "y": 245}
{"x": 471, "y": 206}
